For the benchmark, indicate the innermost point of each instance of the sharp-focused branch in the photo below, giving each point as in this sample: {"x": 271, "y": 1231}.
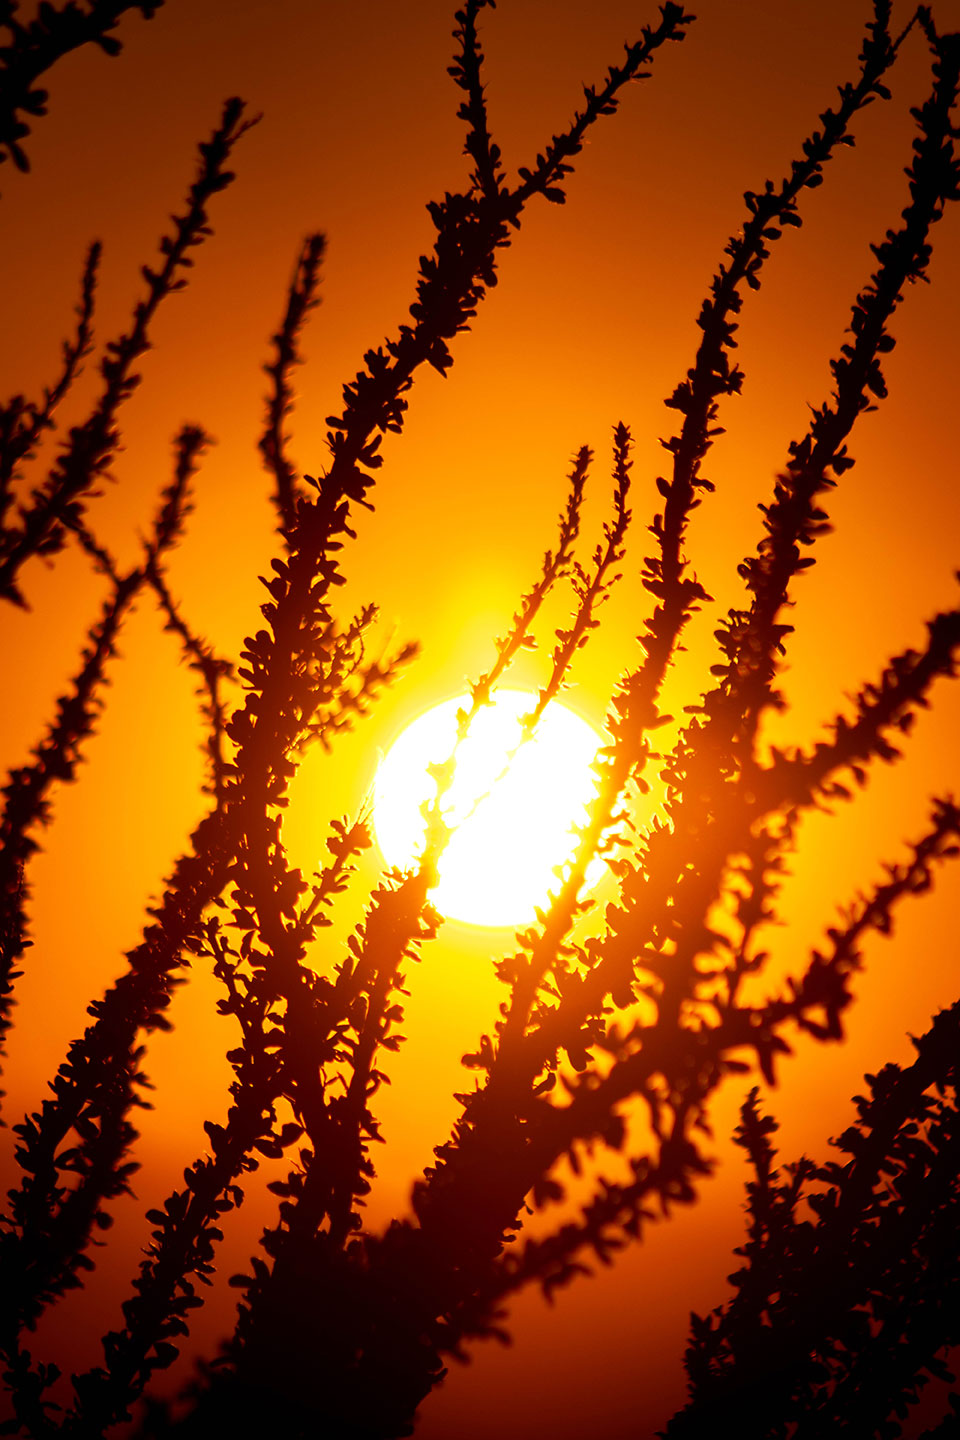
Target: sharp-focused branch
{"x": 846, "y": 1301}
{"x": 37, "y": 45}
{"x": 467, "y": 71}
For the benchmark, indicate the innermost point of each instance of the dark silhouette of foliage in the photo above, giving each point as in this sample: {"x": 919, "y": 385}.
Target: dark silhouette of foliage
{"x": 651, "y": 1010}
{"x": 22, "y": 422}
{"x": 88, "y": 452}
{"x": 27, "y": 792}
{"x": 847, "y": 1300}
{"x": 34, "y": 47}
{"x": 301, "y": 300}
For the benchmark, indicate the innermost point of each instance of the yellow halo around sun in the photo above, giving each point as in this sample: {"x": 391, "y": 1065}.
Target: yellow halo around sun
{"x": 500, "y": 860}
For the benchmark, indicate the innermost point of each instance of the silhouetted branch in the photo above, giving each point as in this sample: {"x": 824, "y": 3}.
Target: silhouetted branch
{"x": 92, "y": 446}
{"x": 49, "y": 1225}
{"x": 36, "y": 1415}
{"x": 103, "y": 560}
{"x": 755, "y": 880}
{"x": 188, "y": 1225}
{"x": 890, "y": 704}
{"x": 345, "y": 843}
{"x": 519, "y": 637}
{"x": 556, "y": 564}
{"x": 752, "y": 640}
{"x": 27, "y": 791}
{"x": 848, "y": 1294}
{"x": 645, "y": 917}
{"x": 542, "y": 951}
{"x": 212, "y": 671}
{"x": 590, "y": 589}
{"x": 319, "y": 1213}
{"x": 822, "y": 990}
{"x": 634, "y": 711}
{"x": 282, "y": 688}
{"x": 526, "y": 974}
{"x": 552, "y": 166}
{"x": 467, "y": 70}
{"x": 351, "y": 683}
{"x": 301, "y": 299}
{"x": 50, "y": 1216}
{"x": 645, "y": 1016}
{"x": 191, "y": 443}
{"x": 23, "y": 424}
{"x": 177, "y": 500}
{"x": 616, "y": 1215}
{"x": 712, "y": 377}
{"x": 33, "y": 48}
{"x": 674, "y": 1064}
{"x": 336, "y": 1171}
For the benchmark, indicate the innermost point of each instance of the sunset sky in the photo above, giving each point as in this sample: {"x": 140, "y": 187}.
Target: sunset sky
{"x": 593, "y": 322}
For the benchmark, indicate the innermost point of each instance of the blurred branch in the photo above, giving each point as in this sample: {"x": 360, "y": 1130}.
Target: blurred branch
{"x": 350, "y": 683}
{"x": 301, "y": 299}
{"x": 556, "y": 564}
{"x": 55, "y": 760}
{"x": 590, "y": 588}
{"x": 191, "y": 443}
{"x": 92, "y": 446}
{"x": 22, "y": 423}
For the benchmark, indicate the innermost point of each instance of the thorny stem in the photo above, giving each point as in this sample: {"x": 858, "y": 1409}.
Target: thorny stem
{"x": 433, "y": 1209}
{"x": 27, "y": 793}
{"x": 793, "y": 519}
{"x": 34, "y": 1213}
{"x": 467, "y": 72}
{"x": 804, "y": 1281}
{"x": 635, "y": 708}
{"x": 92, "y": 445}
{"x": 22, "y": 425}
{"x": 33, "y": 48}
{"x": 301, "y": 299}
{"x": 285, "y": 666}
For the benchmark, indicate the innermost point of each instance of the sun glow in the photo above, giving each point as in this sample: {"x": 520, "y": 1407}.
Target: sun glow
{"x": 512, "y": 814}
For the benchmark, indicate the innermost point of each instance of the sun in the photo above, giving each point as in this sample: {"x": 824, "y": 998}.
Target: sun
{"x": 512, "y": 810}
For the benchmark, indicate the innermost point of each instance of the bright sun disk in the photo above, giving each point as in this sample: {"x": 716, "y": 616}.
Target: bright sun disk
{"x": 500, "y": 860}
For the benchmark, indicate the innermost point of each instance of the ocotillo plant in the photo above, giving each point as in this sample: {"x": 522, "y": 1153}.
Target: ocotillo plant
{"x": 614, "y": 1038}
{"x": 847, "y": 1303}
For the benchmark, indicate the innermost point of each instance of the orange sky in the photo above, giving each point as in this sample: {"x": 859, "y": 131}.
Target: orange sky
{"x": 593, "y": 322}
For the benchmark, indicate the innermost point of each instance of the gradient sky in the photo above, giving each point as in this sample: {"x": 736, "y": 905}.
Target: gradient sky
{"x": 593, "y": 322}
